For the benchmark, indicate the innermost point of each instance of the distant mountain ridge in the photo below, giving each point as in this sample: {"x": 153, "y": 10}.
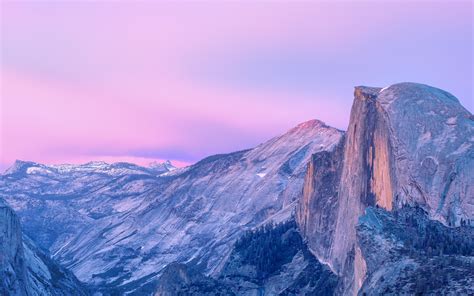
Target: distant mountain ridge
{"x": 117, "y": 168}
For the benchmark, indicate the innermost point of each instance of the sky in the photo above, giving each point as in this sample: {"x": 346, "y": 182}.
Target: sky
{"x": 148, "y": 81}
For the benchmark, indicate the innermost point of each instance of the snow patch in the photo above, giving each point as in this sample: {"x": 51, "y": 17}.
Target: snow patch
{"x": 175, "y": 171}
{"x": 261, "y": 175}
{"x": 35, "y": 170}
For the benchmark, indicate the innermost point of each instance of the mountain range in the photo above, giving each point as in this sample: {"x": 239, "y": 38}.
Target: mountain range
{"x": 386, "y": 207}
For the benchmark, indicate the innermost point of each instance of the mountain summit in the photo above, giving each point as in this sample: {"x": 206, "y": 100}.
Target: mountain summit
{"x": 164, "y": 167}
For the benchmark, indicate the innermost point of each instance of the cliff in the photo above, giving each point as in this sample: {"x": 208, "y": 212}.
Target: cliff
{"x": 407, "y": 144}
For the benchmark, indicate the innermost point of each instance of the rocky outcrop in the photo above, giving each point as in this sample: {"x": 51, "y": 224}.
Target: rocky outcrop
{"x": 25, "y": 270}
{"x": 405, "y": 144}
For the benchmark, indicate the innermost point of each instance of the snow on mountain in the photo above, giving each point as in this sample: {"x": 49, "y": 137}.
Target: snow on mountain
{"x": 162, "y": 167}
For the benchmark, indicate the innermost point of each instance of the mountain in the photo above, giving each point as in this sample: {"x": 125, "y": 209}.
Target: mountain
{"x": 162, "y": 167}
{"x": 407, "y": 144}
{"x": 118, "y": 226}
{"x": 24, "y": 269}
{"x": 385, "y": 208}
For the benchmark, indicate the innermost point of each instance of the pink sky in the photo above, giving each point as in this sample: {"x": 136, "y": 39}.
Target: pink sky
{"x": 127, "y": 81}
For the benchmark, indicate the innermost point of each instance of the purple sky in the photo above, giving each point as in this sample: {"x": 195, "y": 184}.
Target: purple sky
{"x": 146, "y": 81}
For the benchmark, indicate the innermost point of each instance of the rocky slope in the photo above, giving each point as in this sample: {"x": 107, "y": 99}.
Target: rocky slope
{"x": 24, "y": 269}
{"x": 117, "y": 226}
{"x": 406, "y": 144}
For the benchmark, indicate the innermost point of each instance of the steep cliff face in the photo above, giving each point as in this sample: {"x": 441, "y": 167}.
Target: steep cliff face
{"x": 340, "y": 184}
{"x": 366, "y": 180}
{"x": 405, "y": 144}
{"x": 25, "y": 270}
{"x": 317, "y": 210}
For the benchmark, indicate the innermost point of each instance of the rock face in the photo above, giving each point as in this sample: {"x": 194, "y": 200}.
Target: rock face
{"x": 317, "y": 208}
{"x": 405, "y": 144}
{"x": 433, "y": 140}
{"x": 24, "y": 270}
{"x": 117, "y": 226}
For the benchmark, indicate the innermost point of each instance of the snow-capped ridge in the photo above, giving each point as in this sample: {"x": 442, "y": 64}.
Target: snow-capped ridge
{"x": 20, "y": 166}
{"x": 165, "y": 166}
